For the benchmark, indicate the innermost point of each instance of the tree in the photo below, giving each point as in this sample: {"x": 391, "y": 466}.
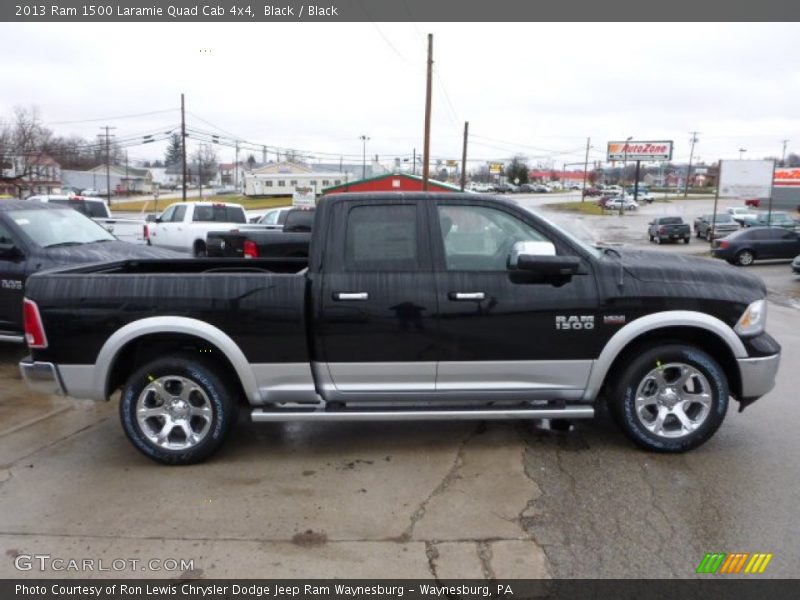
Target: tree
{"x": 517, "y": 170}
{"x": 21, "y": 143}
{"x": 204, "y": 160}
{"x": 251, "y": 162}
{"x": 793, "y": 160}
{"x": 174, "y": 153}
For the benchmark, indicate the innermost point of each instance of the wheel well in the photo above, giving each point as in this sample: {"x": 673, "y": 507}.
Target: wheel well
{"x": 148, "y": 347}
{"x": 199, "y": 244}
{"x": 695, "y": 336}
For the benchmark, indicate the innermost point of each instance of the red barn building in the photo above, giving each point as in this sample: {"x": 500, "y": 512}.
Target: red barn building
{"x": 397, "y": 182}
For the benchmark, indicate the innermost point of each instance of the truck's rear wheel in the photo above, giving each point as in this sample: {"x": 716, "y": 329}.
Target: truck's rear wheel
{"x": 200, "y": 249}
{"x": 177, "y": 410}
{"x": 670, "y": 398}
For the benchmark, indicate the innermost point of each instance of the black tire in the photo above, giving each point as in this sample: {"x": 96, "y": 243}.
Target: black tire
{"x": 658, "y": 239}
{"x": 745, "y": 258}
{"x": 622, "y": 398}
{"x": 200, "y": 249}
{"x": 686, "y": 240}
{"x": 218, "y": 397}
{"x": 651, "y": 238}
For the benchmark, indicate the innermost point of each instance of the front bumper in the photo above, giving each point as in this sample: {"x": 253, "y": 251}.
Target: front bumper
{"x": 41, "y": 377}
{"x": 758, "y": 376}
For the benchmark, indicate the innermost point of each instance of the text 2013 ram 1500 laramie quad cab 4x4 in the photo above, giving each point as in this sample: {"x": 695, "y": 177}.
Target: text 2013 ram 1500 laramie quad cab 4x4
{"x": 410, "y": 306}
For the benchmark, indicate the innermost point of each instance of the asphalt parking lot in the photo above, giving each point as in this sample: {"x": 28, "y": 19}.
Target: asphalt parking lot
{"x": 437, "y": 499}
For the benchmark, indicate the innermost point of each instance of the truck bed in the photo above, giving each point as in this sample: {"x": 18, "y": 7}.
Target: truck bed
{"x": 261, "y": 308}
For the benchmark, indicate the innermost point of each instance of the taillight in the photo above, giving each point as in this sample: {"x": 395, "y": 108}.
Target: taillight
{"x": 34, "y": 329}
{"x": 250, "y": 249}
{"x": 662, "y": 230}
{"x": 723, "y": 244}
{"x": 145, "y": 232}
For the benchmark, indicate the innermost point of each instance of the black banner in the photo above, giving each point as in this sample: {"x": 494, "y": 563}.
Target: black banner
{"x": 252, "y": 11}
{"x": 473, "y": 589}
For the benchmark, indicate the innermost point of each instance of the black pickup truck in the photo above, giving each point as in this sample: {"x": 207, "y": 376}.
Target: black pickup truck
{"x": 669, "y": 229}
{"x": 409, "y": 306}
{"x": 35, "y": 236}
{"x": 254, "y": 241}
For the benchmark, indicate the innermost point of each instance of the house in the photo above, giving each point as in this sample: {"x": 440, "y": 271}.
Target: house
{"x": 563, "y": 177}
{"x": 132, "y": 180}
{"x": 24, "y": 176}
{"x": 391, "y": 182}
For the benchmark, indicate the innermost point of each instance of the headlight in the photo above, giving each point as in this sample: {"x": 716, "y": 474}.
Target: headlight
{"x": 753, "y": 319}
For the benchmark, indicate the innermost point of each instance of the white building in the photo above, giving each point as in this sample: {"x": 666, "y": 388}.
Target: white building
{"x": 281, "y": 179}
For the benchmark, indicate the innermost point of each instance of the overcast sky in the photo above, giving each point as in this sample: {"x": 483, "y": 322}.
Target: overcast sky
{"x": 534, "y": 88}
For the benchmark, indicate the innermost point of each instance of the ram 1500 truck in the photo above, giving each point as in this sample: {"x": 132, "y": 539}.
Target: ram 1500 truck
{"x": 183, "y": 226}
{"x": 668, "y": 229}
{"x": 254, "y": 241}
{"x": 409, "y": 306}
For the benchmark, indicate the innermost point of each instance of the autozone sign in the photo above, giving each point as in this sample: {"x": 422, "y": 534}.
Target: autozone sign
{"x": 640, "y": 150}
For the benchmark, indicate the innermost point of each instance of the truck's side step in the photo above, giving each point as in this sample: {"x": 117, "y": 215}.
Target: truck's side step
{"x": 259, "y": 415}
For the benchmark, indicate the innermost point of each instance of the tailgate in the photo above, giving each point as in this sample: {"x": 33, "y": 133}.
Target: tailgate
{"x": 225, "y": 243}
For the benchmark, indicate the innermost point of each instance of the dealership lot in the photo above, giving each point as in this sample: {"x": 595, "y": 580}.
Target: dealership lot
{"x": 410, "y": 499}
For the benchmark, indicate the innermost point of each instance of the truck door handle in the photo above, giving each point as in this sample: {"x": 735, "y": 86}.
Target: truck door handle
{"x": 466, "y": 296}
{"x": 350, "y": 296}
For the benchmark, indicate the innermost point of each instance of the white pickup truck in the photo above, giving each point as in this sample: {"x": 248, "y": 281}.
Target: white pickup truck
{"x": 183, "y": 226}
{"x": 125, "y": 230}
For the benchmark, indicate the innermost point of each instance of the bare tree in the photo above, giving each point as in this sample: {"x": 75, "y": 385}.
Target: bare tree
{"x": 21, "y": 149}
{"x": 205, "y": 162}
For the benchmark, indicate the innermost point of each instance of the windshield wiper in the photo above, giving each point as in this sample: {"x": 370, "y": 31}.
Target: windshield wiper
{"x": 60, "y": 244}
{"x": 609, "y": 250}
{"x": 99, "y": 241}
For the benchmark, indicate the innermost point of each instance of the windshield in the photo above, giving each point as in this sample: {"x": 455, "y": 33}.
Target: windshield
{"x": 219, "y": 213}
{"x": 724, "y": 218}
{"x": 596, "y": 252}
{"x": 63, "y": 227}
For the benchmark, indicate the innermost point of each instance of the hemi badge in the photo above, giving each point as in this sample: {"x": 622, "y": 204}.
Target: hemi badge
{"x": 614, "y": 320}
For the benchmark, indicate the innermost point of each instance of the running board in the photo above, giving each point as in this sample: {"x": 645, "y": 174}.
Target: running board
{"x": 259, "y": 415}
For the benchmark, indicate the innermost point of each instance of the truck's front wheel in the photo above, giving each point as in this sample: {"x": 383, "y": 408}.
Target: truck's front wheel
{"x": 177, "y": 410}
{"x": 670, "y": 398}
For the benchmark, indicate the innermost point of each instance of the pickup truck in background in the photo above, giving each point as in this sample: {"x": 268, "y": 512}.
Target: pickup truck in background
{"x": 292, "y": 240}
{"x": 668, "y": 229}
{"x": 41, "y": 235}
{"x": 742, "y": 215}
{"x": 183, "y": 226}
{"x": 126, "y": 230}
{"x": 409, "y": 306}
{"x": 722, "y": 223}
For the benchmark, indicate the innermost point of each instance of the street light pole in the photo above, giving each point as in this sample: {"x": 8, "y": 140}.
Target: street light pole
{"x": 741, "y": 152}
{"x": 363, "y": 139}
{"x": 624, "y": 165}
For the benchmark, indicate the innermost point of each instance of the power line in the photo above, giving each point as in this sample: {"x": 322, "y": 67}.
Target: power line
{"x": 133, "y": 116}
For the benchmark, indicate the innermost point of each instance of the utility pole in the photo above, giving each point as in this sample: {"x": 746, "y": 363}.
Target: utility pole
{"x": 127, "y": 177}
{"x": 585, "y": 169}
{"x": 363, "y": 139}
{"x": 183, "y": 144}
{"x": 263, "y": 155}
{"x": 236, "y": 169}
{"x": 464, "y": 157}
{"x": 426, "y": 150}
{"x": 108, "y": 161}
{"x": 689, "y": 168}
{"x": 783, "y": 153}
{"x": 414, "y": 162}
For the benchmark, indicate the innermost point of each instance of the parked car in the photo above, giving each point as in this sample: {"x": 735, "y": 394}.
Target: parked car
{"x": 127, "y": 230}
{"x": 612, "y": 190}
{"x": 483, "y": 188}
{"x": 422, "y": 297}
{"x": 90, "y": 192}
{"x": 741, "y": 214}
{"x": 627, "y": 203}
{"x": 183, "y": 226}
{"x": 41, "y": 235}
{"x": 723, "y": 225}
{"x": 505, "y": 188}
{"x": 745, "y": 246}
{"x": 273, "y": 218}
{"x": 292, "y": 240}
{"x": 593, "y": 191}
{"x": 527, "y": 188}
{"x": 669, "y": 229}
{"x": 796, "y": 264}
{"x": 754, "y": 202}
{"x": 774, "y": 219}
{"x": 644, "y": 196}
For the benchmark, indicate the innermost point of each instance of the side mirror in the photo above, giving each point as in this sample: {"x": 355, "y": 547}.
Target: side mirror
{"x": 9, "y": 251}
{"x": 529, "y": 248}
{"x": 150, "y": 218}
{"x": 157, "y": 220}
{"x": 550, "y": 266}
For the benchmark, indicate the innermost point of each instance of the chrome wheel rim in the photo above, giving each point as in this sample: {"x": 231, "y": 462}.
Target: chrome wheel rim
{"x": 673, "y": 400}
{"x": 174, "y": 413}
{"x": 745, "y": 258}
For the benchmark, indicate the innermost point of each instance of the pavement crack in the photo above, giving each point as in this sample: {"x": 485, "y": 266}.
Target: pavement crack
{"x": 449, "y": 477}
{"x": 432, "y": 553}
{"x": 485, "y": 556}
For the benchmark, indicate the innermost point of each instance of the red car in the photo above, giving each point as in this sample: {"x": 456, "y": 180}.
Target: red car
{"x": 754, "y": 202}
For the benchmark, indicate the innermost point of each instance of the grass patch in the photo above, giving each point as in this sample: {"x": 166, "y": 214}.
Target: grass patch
{"x": 586, "y": 208}
{"x": 248, "y": 203}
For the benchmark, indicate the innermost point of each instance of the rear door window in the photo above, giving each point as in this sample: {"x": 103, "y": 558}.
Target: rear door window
{"x": 382, "y": 238}
{"x": 219, "y": 214}
{"x": 95, "y": 209}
